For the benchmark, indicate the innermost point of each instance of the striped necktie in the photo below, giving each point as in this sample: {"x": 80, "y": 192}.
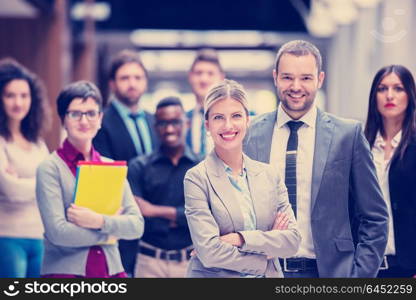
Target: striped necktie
{"x": 291, "y": 153}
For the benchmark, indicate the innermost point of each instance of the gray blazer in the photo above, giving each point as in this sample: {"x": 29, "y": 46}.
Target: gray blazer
{"x": 66, "y": 244}
{"x": 349, "y": 216}
{"x": 212, "y": 210}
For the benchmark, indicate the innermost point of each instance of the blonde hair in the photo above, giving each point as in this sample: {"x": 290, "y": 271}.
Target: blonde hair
{"x": 223, "y": 90}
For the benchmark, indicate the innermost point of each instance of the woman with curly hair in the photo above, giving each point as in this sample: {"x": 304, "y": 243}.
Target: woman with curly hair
{"x": 23, "y": 116}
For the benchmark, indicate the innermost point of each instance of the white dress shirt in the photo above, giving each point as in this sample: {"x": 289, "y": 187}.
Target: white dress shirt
{"x": 304, "y": 164}
{"x": 382, "y": 168}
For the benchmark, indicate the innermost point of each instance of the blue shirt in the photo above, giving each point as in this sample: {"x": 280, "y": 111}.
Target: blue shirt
{"x": 243, "y": 195}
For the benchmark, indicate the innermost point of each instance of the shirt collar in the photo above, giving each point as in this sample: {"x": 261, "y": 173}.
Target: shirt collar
{"x": 229, "y": 171}
{"x": 188, "y": 153}
{"x": 309, "y": 118}
{"x": 71, "y": 156}
{"x": 124, "y": 110}
{"x": 380, "y": 143}
{"x": 396, "y": 140}
{"x": 199, "y": 108}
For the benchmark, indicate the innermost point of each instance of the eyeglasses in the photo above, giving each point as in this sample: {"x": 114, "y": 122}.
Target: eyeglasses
{"x": 163, "y": 123}
{"x": 76, "y": 115}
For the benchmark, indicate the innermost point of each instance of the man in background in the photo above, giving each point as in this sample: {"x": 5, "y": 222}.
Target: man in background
{"x": 205, "y": 71}
{"x": 156, "y": 180}
{"x": 127, "y": 130}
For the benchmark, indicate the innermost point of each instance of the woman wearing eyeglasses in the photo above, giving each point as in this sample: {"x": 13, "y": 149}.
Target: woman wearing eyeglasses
{"x": 237, "y": 208}
{"x": 22, "y": 118}
{"x": 75, "y": 237}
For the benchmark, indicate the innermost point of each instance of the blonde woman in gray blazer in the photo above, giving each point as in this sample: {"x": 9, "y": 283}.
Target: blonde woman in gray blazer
{"x": 237, "y": 209}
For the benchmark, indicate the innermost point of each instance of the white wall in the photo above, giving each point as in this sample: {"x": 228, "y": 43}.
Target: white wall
{"x": 381, "y": 36}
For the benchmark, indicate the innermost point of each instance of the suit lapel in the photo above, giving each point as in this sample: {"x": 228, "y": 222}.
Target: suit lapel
{"x": 257, "y": 192}
{"x": 263, "y": 136}
{"x": 222, "y": 187}
{"x": 323, "y": 138}
{"x": 120, "y": 134}
{"x": 150, "y": 119}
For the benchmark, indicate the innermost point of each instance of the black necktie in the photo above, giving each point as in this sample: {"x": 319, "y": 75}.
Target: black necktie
{"x": 134, "y": 117}
{"x": 291, "y": 153}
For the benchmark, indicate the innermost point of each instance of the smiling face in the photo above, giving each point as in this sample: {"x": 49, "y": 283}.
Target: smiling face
{"x": 227, "y": 122}
{"x": 392, "y": 99}
{"x": 16, "y": 99}
{"x": 171, "y": 126}
{"x": 297, "y": 81}
{"x": 83, "y": 130}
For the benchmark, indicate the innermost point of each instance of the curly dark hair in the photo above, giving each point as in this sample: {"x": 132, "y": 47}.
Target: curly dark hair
{"x": 37, "y": 119}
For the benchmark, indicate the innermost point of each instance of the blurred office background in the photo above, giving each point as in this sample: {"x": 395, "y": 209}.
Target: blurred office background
{"x": 63, "y": 41}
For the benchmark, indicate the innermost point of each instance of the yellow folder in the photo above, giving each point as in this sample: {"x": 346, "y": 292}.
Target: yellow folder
{"x": 100, "y": 185}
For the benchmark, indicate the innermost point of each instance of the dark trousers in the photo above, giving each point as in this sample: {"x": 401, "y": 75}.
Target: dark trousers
{"x": 128, "y": 252}
{"x": 396, "y": 272}
{"x": 299, "y": 268}
{"x": 302, "y": 274}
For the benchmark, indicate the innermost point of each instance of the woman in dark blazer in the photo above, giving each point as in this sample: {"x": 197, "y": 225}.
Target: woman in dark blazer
{"x": 391, "y": 132}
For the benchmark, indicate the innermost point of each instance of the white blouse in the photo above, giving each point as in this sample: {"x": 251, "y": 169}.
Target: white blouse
{"x": 19, "y": 213}
{"x": 382, "y": 168}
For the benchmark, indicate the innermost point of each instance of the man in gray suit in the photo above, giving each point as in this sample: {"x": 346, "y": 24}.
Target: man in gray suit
{"x": 328, "y": 171}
